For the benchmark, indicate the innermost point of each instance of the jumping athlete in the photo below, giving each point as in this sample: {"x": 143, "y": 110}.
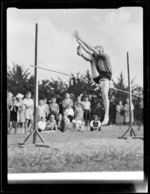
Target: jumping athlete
{"x": 100, "y": 67}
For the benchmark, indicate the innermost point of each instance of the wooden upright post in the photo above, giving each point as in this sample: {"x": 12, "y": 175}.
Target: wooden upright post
{"x": 35, "y": 84}
{"x": 133, "y": 134}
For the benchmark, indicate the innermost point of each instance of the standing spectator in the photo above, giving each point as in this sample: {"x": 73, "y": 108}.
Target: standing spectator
{"x": 13, "y": 114}
{"x": 41, "y": 124}
{"x": 54, "y": 108}
{"x": 66, "y": 123}
{"x": 78, "y": 125}
{"x": 120, "y": 113}
{"x": 140, "y": 114}
{"x": 28, "y": 103}
{"x": 67, "y": 101}
{"x": 95, "y": 124}
{"x": 127, "y": 113}
{"x": 60, "y": 122}
{"x": 21, "y": 112}
{"x": 51, "y": 124}
{"x": 46, "y": 107}
{"x": 9, "y": 102}
{"x": 41, "y": 110}
{"x": 69, "y": 112}
{"x": 79, "y": 108}
{"x": 87, "y": 110}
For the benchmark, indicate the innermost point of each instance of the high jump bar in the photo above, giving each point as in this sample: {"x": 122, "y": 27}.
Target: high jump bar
{"x": 50, "y": 70}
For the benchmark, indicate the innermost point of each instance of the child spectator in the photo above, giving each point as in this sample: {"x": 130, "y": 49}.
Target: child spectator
{"x": 54, "y": 108}
{"x": 9, "y": 102}
{"x": 87, "y": 110}
{"x": 51, "y": 124}
{"x": 78, "y": 125}
{"x": 21, "y": 112}
{"x": 95, "y": 124}
{"x": 79, "y": 108}
{"x": 69, "y": 112}
{"x": 60, "y": 123}
{"x": 28, "y": 103}
{"x": 41, "y": 124}
{"x": 67, "y": 101}
{"x": 46, "y": 107}
{"x": 66, "y": 123}
{"x": 41, "y": 110}
{"x": 13, "y": 114}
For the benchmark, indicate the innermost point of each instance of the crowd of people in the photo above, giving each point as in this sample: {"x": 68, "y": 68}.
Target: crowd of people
{"x": 52, "y": 116}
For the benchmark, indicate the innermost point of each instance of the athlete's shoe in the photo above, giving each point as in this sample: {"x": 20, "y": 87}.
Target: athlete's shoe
{"x": 105, "y": 121}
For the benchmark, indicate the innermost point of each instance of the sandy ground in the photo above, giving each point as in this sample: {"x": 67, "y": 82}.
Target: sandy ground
{"x": 77, "y": 152}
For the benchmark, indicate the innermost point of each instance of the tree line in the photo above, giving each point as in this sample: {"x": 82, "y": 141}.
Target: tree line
{"x": 20, "y": 80}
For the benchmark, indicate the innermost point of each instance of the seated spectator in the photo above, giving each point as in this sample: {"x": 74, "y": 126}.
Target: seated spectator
{"x": 69, "y": 112}
{"x": 95, "y": 124}
{"x": 51, "y": 124}
{"x": 78, "y": 125}
{"x": 41, "y": 124}
{"x": 13, "y": 114}
{"x": 54, "y": 108}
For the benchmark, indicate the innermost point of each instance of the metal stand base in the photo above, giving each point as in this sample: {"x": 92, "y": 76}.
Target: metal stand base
{"x": 133, "y": 134}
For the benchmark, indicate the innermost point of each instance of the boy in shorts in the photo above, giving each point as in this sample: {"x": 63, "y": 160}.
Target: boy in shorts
{"x": 100, "y": 67}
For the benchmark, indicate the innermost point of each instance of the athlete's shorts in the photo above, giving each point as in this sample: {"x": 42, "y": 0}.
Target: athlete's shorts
{"x": 103, "y": 76}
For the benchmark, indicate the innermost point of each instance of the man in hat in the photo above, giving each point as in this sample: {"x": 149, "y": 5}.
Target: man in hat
{"x": 100, "y": 67}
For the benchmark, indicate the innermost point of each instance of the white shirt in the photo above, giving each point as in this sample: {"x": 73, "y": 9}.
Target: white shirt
{"x": 28, "y": 102}
{"x": 91, "y": 124}
{"x": 69, "y": 111}
{"x": 42, "y": 125}
{"x": 87, "y": 105}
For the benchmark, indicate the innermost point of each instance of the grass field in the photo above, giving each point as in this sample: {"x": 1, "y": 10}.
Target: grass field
{"x": 77, "y": 152}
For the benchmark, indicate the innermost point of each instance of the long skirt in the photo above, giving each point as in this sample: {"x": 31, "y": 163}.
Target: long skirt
{"x": 119, "y": 118}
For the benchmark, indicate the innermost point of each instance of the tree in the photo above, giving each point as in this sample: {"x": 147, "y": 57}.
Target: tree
{"x": 17, "y": 79}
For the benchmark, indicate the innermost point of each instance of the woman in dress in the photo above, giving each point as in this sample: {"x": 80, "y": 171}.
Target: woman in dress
{"x": 79, "y": 109}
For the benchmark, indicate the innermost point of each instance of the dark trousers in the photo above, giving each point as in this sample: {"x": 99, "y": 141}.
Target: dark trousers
{"x": 87, "y": 116}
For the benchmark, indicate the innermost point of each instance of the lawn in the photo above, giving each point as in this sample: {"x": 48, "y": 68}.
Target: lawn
{"x": 77, "y": 152}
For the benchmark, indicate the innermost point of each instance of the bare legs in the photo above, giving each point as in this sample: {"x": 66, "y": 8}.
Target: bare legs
{"x": 105, "y": 89}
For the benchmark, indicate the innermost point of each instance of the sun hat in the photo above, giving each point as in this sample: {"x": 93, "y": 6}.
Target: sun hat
{"x": 19, "y": 96}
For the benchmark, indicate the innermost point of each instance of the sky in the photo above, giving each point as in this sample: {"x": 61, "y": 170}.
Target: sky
{"x": 118, "y": 30}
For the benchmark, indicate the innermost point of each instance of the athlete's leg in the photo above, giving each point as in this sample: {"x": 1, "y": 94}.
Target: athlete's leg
{"x": 105, "y": 89}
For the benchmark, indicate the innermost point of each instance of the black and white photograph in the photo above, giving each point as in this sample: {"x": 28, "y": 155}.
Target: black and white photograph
{"x": 75, "y": 94}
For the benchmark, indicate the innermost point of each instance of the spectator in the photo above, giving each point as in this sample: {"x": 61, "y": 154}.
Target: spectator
{"x": 51, "y": 124}
{"x": 13, "y": 114}
{"x": 41, "y": 110}
{"x": 46, "y": 107}
{"x": 28, "y": 103}
{"x": 41, "y": 124}
{"x": 66, "y": 123}
{"x": 9, "y": 102}
{"x": 21, "y": 112}
{"x": 95, "y": 124}
{"x": 54, "y": 108}
{"x": 69, "y": 112}
{"x": 127, "y": 112}
{"x": 79, "y": 109}
{"x": 67, "y": 101}
{"x": 60, "y": 122}
{"x": 78, "y": 125}
{"x": 87, "y": 110}
{"x": 120, "y": 113}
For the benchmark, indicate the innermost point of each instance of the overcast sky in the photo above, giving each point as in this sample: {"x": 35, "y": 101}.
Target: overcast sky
{"x": 117, "y": 30}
